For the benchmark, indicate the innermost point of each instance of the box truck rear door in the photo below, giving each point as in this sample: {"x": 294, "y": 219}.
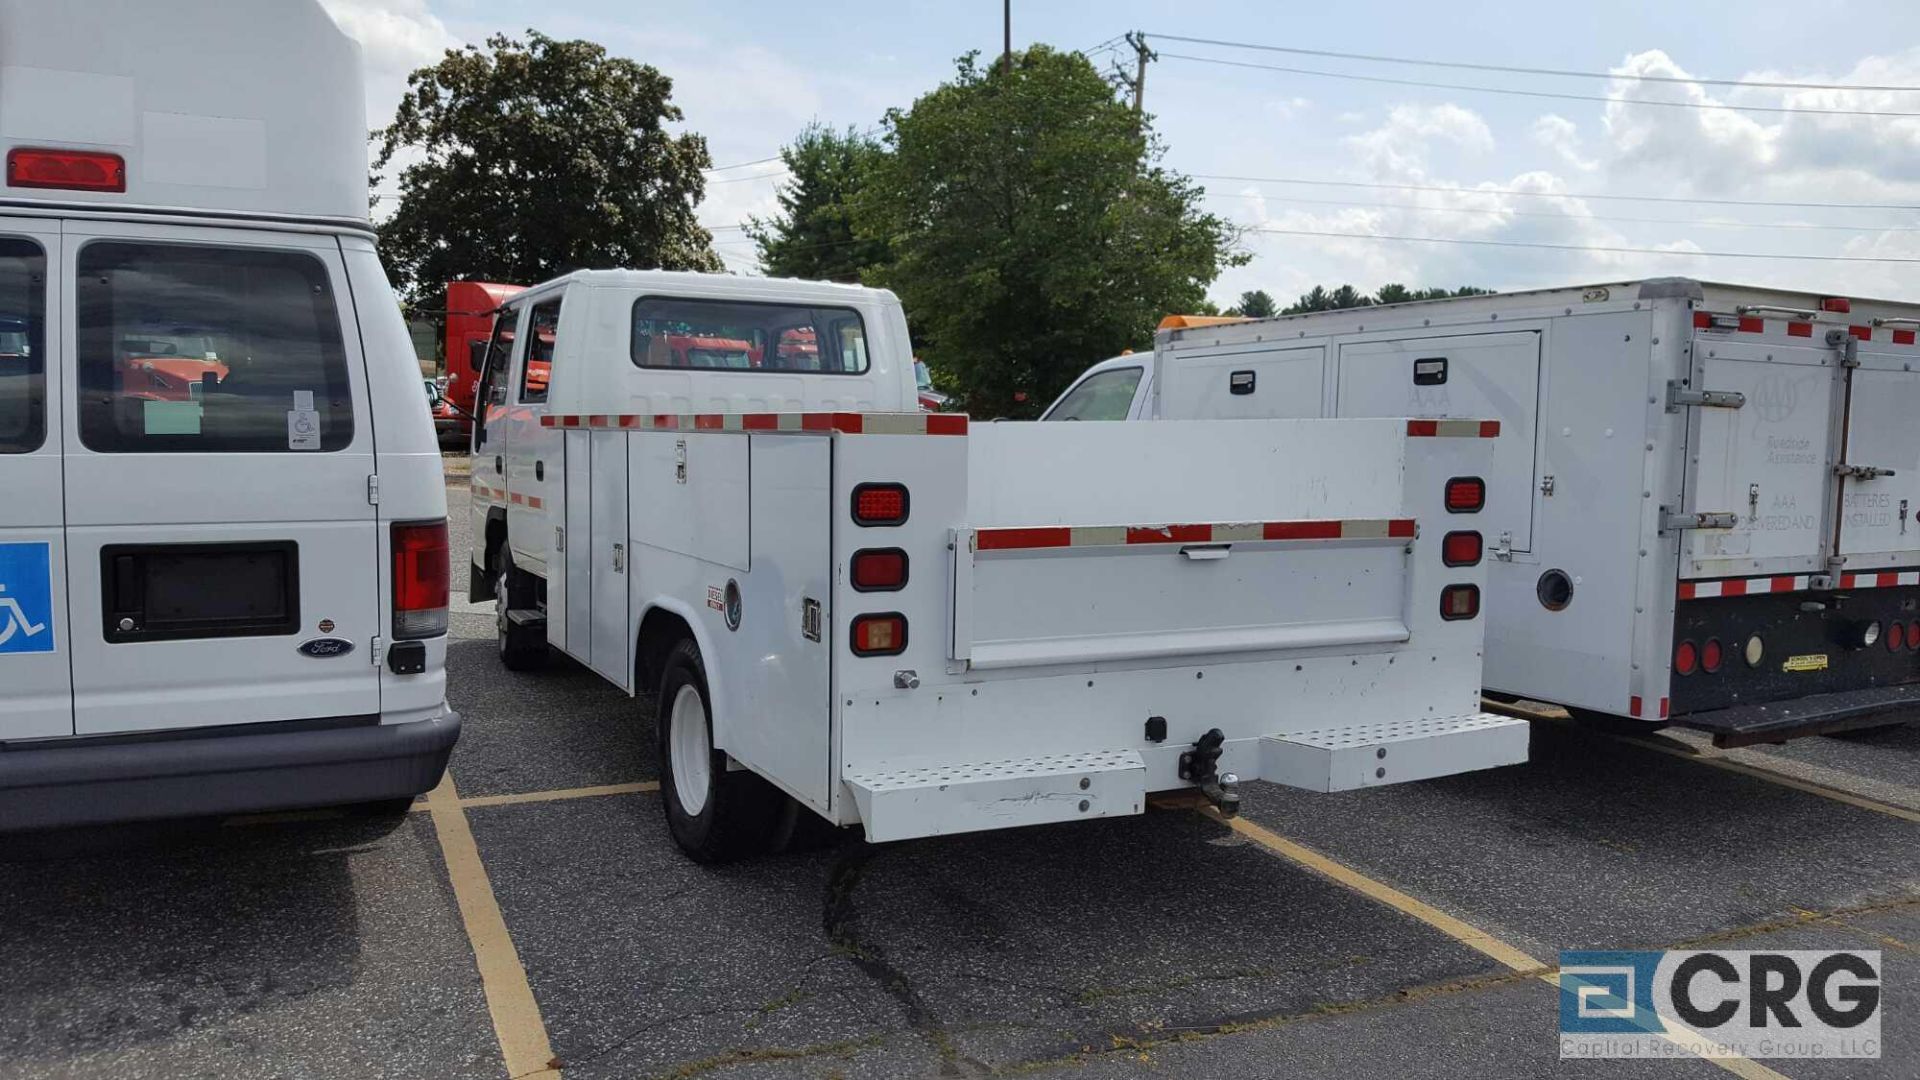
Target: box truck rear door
{"x": 1880, "y": 494}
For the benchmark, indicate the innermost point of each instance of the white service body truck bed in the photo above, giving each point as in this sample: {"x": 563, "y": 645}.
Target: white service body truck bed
{"x": 1060, "y": 612}
{"x": 1705, "y": 500}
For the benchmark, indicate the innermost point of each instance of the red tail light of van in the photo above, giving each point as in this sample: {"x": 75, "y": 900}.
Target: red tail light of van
{"x": 70, "y": 170}
{"x": 879, "y": 504}
{"x": 1466, "y": 495}
{"x": 880, "y": 635}
{"x": 419, "y": 579}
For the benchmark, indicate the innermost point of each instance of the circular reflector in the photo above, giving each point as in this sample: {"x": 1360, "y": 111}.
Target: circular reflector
{"x": 1870, "y": 633}
{"x": 1686, "y": 658}
{"x": 1896, "y": 636}
{"x": 1756, "y": 651}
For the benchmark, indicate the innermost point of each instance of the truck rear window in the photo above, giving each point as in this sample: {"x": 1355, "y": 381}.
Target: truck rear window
{"x": 203, "y": 349}
{"x": 719, "y": 335}
{"x": 23, "y": 362}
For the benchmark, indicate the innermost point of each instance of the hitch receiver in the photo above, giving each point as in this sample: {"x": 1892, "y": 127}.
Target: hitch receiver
{"x": 1201, "y": 767}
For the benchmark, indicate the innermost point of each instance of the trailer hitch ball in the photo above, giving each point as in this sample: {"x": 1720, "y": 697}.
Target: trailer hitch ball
{"x": 1200, "y": 766}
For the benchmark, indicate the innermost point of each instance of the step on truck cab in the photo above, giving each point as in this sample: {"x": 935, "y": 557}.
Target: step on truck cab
{"x": 718, "y": 490}
{"x": 223, "y": 548}
{"x": 1704, "y": 506}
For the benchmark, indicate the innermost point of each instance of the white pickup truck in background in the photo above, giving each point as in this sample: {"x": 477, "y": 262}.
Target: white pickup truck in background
{"x": 717, "y": 489}
{"x": 1704, "y": 506}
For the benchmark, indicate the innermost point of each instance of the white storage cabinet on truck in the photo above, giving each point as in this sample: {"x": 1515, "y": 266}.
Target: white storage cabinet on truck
{"x": 714, "y": 489}
{"x": 223, "y": 552}
{"x": 1705, "y": 501}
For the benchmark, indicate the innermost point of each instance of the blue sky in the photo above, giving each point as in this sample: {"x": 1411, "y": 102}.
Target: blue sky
{"x": 750, "y": 74}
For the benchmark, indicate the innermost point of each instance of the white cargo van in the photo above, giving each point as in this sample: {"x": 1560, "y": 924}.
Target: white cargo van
{"x": 1705, "y": 502}
{"x": 223, "y": 547}
{"x": 716, "y": 490}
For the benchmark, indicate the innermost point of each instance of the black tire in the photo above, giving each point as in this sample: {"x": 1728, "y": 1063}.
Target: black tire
{"x": 1609, "y": 724}
{"x": 522, "y": 648}
{"x": 733, "y": 814}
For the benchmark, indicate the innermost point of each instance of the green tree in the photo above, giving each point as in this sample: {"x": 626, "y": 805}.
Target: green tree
{"x": 812, "y": 236}
{"x": 535, "y": 158}
{"x": 1033, "y": 228}
{"x": 1321, "y": 298}
{"x": 1256, "y": 304}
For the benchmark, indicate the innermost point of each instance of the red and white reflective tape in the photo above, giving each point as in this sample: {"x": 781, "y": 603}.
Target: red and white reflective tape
{"x": 1456, "y": 429}
{"x": 494, "y": 494}
{"x": 1781, "y": 583}
{"x": 1754, "y": 324}
{"x": 846, "y": 423}
{"x": 1059, "y": 536}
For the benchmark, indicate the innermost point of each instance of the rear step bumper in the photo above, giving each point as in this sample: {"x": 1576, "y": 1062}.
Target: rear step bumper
{"x": 898, "y": 801}
{"x": 191, "y": 774}
{"x": 1816, "y": 714}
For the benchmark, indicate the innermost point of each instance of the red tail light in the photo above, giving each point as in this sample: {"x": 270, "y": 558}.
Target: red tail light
{"x": 880, "y": 635}
{"x": 1837, "y": 304}
{"x": 1460, "y": 549}
{"x": 1896, "y": 637}
{"x": 1686, "y": 658}
{"x": 879, "y": 504}
{"x": 1913, "y": 634}
{"x": 1459, "y": 602}
{"x": 879, "y": 569}
{"x": 1466, "y": 495}
{"x": 419, "y": 579}
{"x": 1710, "y": 656}
{"x": 72, "y": 170}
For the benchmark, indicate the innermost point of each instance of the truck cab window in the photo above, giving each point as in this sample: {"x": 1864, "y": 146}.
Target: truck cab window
{"x": 719, "y": 335}
{"x": 1105, "y": 396}
{"x": 184, "y": 348}
{"x": 493, "y": 375}
{"x": 542, "y": 324}
{"x": 23, "y": 361}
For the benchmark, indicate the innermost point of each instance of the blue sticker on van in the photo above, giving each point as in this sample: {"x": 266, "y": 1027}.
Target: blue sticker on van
{"x": 26, "y": 598}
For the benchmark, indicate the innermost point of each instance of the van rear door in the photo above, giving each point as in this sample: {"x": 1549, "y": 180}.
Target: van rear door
{"x": 1765, "y": 461}
{"x": 1880, "y": 496}
{"x": 36, "y": 689}
{"x": 223, "y": 554}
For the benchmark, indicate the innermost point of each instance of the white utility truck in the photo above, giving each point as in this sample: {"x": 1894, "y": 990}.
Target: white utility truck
{"x": 1704, "y": 506}
{"x": 717, "y": 489}
{"x": 223, "y": 545}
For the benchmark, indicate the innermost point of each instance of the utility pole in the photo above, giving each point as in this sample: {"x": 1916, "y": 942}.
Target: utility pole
{"x": 1138, "y": 81}
{"x": 1006, "y": 22}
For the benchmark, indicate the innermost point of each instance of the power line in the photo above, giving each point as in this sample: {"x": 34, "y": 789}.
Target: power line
{"x": 774, "y": 175}
{"x": 1559, "y": 72}
{"x": 1588, "y": 248}
{"x": 1557, "y": 194}
{"x": 742, "y": 164}
{"x": 1718, "y": 106}
{"x": 1693, "y": 223}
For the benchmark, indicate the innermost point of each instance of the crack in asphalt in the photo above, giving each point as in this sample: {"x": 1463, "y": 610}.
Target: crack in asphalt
{"x": 841, "y": 922}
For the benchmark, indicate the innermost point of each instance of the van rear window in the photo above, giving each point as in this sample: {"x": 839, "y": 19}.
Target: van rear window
{"x": 719, "y": 335}
{"x": 206, "y": 349}
{"x": 23, "y": 336}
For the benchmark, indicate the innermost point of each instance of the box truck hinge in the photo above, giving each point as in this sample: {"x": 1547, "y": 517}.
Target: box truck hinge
{"x": 1679, "y": 397}
{"x": 1861, "y": 472}
{"x": 1670, "y": 521}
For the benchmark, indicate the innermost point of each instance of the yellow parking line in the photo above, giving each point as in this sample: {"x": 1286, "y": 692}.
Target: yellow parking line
{"x": 1811, "y": 787}
{"x": 550, "y": 796}
{"x": 516, "y": 1015}
{"x": 1472, "y": 937}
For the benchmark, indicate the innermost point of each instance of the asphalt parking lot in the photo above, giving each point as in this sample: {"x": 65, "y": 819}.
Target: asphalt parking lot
{"x": 532, "y": 915}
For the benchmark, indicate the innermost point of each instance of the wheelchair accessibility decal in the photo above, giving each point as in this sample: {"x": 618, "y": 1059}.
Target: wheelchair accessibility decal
{"x": 26, "y": 598}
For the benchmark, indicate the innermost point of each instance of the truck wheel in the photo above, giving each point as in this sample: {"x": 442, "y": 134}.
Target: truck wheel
{"x": 522, "y": 647}
{"x": 714, "y": 815}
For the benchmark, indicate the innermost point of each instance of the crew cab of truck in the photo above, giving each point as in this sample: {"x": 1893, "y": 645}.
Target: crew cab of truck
{"x": 223, "y": 545}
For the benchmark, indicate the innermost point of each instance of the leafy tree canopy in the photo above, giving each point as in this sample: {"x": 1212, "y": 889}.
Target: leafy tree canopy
{"x": 529, "y": 159}
{"x": 1321, "y": 298}
{"x": 812, "y": 236}
{"x": 1032, "y": 227}
{"x": 1257, "y": 304}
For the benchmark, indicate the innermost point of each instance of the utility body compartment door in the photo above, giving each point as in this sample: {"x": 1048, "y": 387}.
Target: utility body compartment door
{"x": 1466, "y": 377}
{"x": 1263, "y": 381}
{"x": 1879, "y": 502}
{"x": 36, "y": 687}
{"x": 1767, "y": 462}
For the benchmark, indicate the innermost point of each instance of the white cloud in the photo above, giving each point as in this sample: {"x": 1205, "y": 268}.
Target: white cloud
{"x": 1562, "y": 136}
{"x": 396, "y": 37}
{"x": 1287, "y": 108}
{"x": 1402, "y": 145}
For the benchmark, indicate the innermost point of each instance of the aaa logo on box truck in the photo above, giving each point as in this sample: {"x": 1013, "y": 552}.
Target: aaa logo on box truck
{"x": 26, "y": 598}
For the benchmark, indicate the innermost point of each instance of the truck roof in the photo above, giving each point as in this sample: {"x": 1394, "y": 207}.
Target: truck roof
{"x": 217, "y": 106}
{"x": 1713, "y": 295}
{"x": 719, "y": 286}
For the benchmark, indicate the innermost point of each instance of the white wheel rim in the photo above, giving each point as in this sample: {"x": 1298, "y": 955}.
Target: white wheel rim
{"x": 500, "y": 607}
{"x": 689, "y": 749}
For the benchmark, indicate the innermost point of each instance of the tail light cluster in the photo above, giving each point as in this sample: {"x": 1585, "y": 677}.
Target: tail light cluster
{"x": 1709, "y": 656}
{"x": 879, "y": 569}
{"x": 419, "y": 579}
{"x": 70, "y": 170}
{"x": 1901, "y": 636}
{"x": 1462, "y": 547}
